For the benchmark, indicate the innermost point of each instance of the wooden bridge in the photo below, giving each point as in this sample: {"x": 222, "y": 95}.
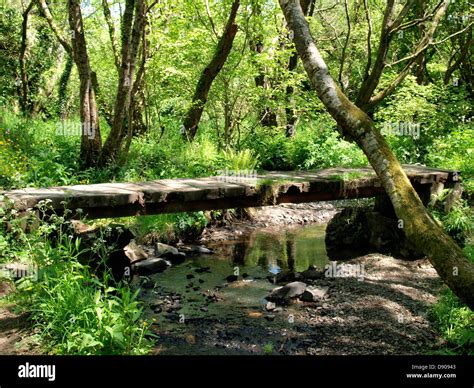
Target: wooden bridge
{"x": 107, "y": 200}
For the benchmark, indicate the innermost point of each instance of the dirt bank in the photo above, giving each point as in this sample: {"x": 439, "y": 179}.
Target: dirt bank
{"x": 15, "y": 335}
{"x": 274, "y": 218}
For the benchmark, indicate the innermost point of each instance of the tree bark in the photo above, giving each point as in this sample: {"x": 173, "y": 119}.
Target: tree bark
{"x": 25, "y": 102}
{"x": 113, "y": 40}
{"x": 132, "y": 26}
{"x": 135, "y": 121}
{"x": 91, "y": 142}
{"x": 426, "y": 235}
{"x": 193, "y": 116}
{"x": 421, "y": 60}
{"x": 465, "y": 47}
{"x": 268, "y": 117}
{"x": 290, "y": 111}
{"x": 372, "y": 78}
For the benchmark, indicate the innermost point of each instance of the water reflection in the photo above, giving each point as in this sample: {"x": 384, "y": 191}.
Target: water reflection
{"x": 291, "y": 250}
{"x": 256, "y": 257}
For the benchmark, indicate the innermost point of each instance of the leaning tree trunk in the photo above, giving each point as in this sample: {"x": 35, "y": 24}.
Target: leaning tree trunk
{"x": 191, "y": 121}
{"x": 91, "y": 142}
{"x": 419, "y": 227}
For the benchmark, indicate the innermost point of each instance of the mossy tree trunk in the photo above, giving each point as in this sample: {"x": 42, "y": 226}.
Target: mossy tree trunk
{"x": 76, "y": 47}
{"x": 291, "y": 115}
{"x": 419, "y": 227}
{"x": 91, "y": 143}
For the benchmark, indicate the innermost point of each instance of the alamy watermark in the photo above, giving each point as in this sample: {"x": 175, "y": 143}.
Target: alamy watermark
{"x": 334, "y": 270}
{"x": 33, "y": 371}
{"x": 18, "y": 271}
{"x": 401, "y": 129}
{"x": 238, "y": 176}
{"x": 74, "y": 128}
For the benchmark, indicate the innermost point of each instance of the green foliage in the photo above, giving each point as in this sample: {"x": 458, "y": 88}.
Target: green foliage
{"x": 189, "y": 226}
{"x": 240, "y": 160}
{"x": 182, "y": 38}
{"x": 34, "y": 153}
{"x": 41, "y": 57}
{"x": 10, "y": 27}
{"x": 77, "y": 313}
{"x": 73, "y": 311}
{"x": 446, "y": 137}
{"x": 459, "y": 222}
{"x": 455, "y": 321}
{"x": 155, "y": 227}
{"x": 455, "y": 151}
{"x": 268, "y": 348}
{"x": 324, "y": 148}
{"x": 273, "y": 149}
{"x": 456, "y": 324}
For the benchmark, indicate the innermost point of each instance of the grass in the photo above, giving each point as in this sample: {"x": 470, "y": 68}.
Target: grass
{"x": 454, "y": 320}
{"x": 76, "y": 313}
{"x": 73, "y": 310}
{"x": 268, "y": 348}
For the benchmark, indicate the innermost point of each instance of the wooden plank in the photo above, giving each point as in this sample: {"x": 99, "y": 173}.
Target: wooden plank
{"x": 184, "y": 194}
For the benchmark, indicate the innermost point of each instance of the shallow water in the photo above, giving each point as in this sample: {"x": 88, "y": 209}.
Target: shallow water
{"x": 188, "y": 296}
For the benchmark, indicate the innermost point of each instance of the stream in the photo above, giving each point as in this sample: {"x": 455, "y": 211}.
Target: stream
{"x": 215, "y": 304}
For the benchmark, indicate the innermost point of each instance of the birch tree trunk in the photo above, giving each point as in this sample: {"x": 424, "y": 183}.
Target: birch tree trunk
{"x": 419, "y": 227}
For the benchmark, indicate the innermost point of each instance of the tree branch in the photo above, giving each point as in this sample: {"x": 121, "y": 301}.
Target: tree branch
{"x": 425, "y": 42}
{"x": 464, "y": 50}
{"x": 49, "y": 18}
{"x": 428, "y": 44}
{"x": 112, "y": 34}
{"x": 208, "y": 11}
{"x": 346, "y": 43}
{"x": 369, "y": 42}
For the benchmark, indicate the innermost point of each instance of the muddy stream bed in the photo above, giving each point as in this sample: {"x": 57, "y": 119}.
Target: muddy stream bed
{"x": 216, "y": 303}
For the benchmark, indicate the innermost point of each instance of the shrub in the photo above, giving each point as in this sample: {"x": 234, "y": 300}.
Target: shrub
{"x": 74, "y": 311}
